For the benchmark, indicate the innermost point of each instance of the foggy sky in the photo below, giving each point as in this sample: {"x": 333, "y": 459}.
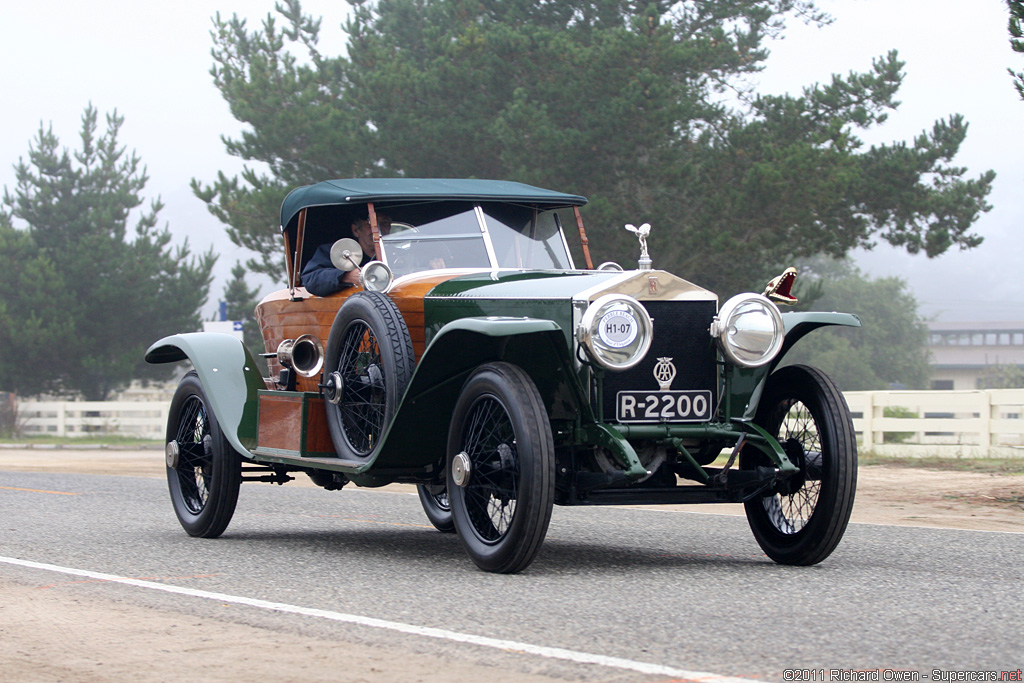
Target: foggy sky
{"x": 151, "y": 61}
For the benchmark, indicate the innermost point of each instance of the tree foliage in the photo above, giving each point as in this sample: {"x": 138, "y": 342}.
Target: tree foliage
{"x": 303, "y": 126}
{"x": 1001, "y": 376}
{"x": 890, "y": 348}
{"x": 644, "y": 106}
{"x": 91, "y": 294}
{"x": 1016, "y": 28}
{"x": 240, "y": 300}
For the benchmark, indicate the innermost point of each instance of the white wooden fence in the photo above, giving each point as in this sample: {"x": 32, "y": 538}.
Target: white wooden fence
{"x": 143, "y": 419}
{"x": 947, "y": 423}
{"x": 976, "y": 424}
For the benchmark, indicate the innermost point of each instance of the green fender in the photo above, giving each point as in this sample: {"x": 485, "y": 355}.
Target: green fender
{"x": 799, "y": 324}
{"x": 230, "y": 377}
{"x": 748, "y": 383}
{"x": 418, "y": 435}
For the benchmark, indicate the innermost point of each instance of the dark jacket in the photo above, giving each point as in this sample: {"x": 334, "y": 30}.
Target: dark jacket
{"x": 320, "y": 277}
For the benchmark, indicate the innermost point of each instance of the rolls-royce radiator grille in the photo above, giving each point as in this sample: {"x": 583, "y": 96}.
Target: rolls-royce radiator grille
{"x": 677, "y": 380}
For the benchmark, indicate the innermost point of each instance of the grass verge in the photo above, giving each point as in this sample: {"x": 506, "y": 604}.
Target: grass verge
{"x": 983, "y": 465}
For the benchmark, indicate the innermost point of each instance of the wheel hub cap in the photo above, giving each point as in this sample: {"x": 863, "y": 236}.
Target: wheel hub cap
{"x": 461, "y": 469}
{"x": 332, "y": 389}
{"x": 171, "y": 454}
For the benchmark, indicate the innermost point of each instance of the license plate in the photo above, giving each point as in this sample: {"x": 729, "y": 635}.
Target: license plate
{"x": 663, "y": 406}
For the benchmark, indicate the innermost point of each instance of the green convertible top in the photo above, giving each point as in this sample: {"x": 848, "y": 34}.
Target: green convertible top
{"x": 360, "y": 190}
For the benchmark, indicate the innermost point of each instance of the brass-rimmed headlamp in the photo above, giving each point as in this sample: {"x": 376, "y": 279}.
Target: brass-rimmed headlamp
{"x": 749, "y": 330}
{"x": 616, "y": 331}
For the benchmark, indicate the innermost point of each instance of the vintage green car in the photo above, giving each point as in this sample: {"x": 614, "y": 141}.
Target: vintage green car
{"x": 468, "y": 355}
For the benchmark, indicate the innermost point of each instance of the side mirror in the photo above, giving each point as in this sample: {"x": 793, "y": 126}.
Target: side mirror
{"x": 346, "y": 254}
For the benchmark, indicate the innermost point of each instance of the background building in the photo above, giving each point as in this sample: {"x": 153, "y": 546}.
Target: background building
{"x": 968, "y": 355}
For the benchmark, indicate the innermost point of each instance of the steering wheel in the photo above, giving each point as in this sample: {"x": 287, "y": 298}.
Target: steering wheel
{"x": 402, "y": 227}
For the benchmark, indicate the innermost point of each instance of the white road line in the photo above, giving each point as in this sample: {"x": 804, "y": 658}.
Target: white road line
{"x": 411, "y": 629}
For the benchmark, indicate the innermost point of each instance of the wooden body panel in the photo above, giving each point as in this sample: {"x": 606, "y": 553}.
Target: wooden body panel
{"x": 293, "y": 423}
{"x": 281, "y": 318}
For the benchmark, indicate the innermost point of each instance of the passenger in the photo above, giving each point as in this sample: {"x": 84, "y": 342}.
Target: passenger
{"x": 320, "y": 277}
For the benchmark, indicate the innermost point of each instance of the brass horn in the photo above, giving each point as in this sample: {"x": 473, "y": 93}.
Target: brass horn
{"x": 305, "y": 355}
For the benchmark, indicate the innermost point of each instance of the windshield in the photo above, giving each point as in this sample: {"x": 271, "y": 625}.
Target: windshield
{"x": 525, "y": 237}
{"x": 450, "y": 242}
{"x": 522, "y": 237}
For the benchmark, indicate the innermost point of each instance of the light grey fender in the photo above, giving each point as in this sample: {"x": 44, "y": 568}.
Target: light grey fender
{"x": 230, "y": 377}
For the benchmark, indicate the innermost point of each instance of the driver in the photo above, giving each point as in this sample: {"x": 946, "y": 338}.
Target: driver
{"x": 320, "y": 277}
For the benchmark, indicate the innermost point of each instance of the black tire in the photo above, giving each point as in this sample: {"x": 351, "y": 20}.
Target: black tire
{"x": 501, "y": 428}
{"x": 205, "y": 474}
{"x": 370, "y": 350}
{"x": 804, "y": 410}
{"x": 437, "y": 506}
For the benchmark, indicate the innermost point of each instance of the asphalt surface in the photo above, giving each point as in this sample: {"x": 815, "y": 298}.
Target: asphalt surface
{"x": 681, "y": 589}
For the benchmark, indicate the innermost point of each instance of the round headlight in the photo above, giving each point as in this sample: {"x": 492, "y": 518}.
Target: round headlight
{"x": 375, "y": 276}
{"x": 616, "y": 331}
{"x": 749, "y": 330}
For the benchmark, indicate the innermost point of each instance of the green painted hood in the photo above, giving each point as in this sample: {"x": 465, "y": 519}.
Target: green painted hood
{"x": 534, "y": 284}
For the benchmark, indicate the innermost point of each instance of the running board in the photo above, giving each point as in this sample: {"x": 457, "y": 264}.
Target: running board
{"x": 334, "y": 464}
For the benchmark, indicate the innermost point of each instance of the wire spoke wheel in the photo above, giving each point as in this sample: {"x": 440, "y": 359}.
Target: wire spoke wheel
{"x": 802, "y": 521}
{"x": 799, "y": 437}
{"x": 437, "y": 506}
{"x": 195, "y": 464}
{"x": 500, "y": 444}
{"x": 490, "y": 443}
{"x": 369, "y": 360}
{"x": 204, "y": 472}
{"x": 363, "y": 397}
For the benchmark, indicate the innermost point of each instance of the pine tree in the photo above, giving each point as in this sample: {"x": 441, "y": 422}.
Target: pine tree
{"x": 1017, "y": 40}
{"x": 241, "y": 300}
{"x": 93, "y": 293}
{"x": 623, "y": 101}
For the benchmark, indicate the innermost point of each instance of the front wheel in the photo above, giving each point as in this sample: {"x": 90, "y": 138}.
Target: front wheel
{"x": 501, "y": 468}
{"x": 204, "y": 472}
{"x": 802, "y": 521}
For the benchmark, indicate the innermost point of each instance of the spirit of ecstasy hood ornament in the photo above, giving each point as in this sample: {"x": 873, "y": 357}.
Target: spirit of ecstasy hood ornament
{"x": 641, "y": 234}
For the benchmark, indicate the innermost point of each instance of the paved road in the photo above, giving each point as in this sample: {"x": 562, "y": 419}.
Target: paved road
{"x": 682, "y": 591}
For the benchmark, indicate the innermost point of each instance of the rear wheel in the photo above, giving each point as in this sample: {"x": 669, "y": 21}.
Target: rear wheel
{"x": 802, "y": 522}
{"x": 204, "y": 472}
{"x": 501, "y": 468}
{"x": 437, "y": 506}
